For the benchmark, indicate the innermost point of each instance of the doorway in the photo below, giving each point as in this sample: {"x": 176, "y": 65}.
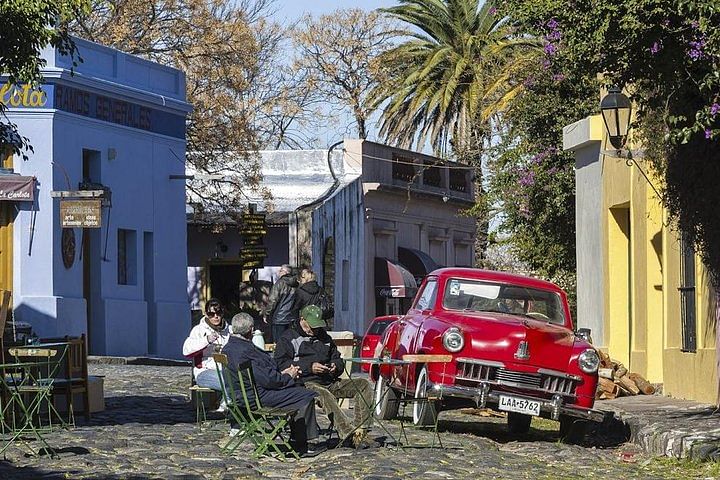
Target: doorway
{"x": 224, "y": 284}
{"x": 91, "y": 254}
{"x": 620, "y": 288}
{"x": 8, "y": 211}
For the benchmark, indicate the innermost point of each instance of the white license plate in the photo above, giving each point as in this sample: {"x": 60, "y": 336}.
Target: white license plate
{"x": 519, "y": 405}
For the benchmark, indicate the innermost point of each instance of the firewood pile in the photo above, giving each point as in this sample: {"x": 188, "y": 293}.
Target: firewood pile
{"x": 615, "y": 380}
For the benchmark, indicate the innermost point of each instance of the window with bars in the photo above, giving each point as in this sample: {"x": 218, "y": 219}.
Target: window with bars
{"x": 458, "y": 180}
{"x": 127, "y": 257}
{"x": 403, "y": 168}
{"x": 431, "y": 175}
{"x": 687, "y": 294}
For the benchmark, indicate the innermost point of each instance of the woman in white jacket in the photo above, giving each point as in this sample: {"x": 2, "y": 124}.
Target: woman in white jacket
{"x": 206, "y": 338}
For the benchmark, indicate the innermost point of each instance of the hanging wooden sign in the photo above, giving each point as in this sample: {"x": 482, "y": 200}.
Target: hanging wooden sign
{"x": 81, "y": 213}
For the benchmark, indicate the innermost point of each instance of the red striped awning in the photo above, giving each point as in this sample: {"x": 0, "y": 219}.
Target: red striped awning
{"x": 393, "y": 280}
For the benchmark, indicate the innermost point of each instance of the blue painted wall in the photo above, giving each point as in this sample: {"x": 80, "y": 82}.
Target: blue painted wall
{"x": 133, "y": 110}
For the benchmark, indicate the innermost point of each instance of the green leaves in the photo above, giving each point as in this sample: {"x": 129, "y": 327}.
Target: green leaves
{"x": 26, "y": 27}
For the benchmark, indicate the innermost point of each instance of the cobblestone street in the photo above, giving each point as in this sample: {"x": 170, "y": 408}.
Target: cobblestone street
{"x": 148, "y": 430}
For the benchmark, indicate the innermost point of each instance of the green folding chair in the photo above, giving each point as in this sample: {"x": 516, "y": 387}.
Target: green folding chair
{"x": 248, "y": 430}
{"x": 263, "y": 425}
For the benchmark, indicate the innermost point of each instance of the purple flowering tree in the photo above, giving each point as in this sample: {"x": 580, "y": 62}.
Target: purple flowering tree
{"x": 667, "y": 54}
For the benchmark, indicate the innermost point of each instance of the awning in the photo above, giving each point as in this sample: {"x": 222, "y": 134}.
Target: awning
{"x": 16, "y": 188}
{"x": 417, "y": 262}
{"x": 392, "y": 280}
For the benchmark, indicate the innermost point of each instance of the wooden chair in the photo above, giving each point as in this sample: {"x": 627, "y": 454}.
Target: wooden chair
{"x": 73, "y": 377}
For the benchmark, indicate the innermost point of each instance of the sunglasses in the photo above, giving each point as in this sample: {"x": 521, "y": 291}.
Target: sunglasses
{"x": 214, "y": 314}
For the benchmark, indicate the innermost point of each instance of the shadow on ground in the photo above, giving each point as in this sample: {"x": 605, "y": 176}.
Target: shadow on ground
{"x": 610, "y": 433}
{"x": 10, "y": 472}
{"x": 157, "y": 410}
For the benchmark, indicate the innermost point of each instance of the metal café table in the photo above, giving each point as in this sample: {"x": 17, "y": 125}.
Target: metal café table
{"x": 26, "y": 386}
{"x": 393, "y": 362}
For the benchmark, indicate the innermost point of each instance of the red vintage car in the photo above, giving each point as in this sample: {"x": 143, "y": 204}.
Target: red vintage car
{"x": 372, "y": 337}
{"x": 512, "y": 345}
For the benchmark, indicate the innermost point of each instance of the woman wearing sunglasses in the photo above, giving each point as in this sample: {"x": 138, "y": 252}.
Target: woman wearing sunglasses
{"x": 206, "y": 338}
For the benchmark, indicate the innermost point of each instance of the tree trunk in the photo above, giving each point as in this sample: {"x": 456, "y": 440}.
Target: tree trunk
{"x": 469, "y": 151}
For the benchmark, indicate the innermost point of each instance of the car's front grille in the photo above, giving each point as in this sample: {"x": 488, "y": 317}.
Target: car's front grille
{"x": 517, "y": 379}
{"x": 557, "y": 384}
{"x": 475, "y": 371}
{"x": 472, "y": 372}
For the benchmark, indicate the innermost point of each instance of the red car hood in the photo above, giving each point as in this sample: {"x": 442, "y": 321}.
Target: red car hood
{"x": 496, "y": 336}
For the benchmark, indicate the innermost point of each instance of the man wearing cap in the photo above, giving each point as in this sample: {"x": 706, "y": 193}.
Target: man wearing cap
{"x": 309, "y": 346}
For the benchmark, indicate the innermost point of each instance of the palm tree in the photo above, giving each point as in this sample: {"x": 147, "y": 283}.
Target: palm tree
{"x": 453, "y": 74}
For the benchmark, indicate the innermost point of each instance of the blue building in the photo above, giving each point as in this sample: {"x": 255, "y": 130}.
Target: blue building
{"x": 114, "y": 131}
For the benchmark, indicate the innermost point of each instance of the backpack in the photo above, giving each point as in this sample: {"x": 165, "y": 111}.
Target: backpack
{"x": 326, "y": 305}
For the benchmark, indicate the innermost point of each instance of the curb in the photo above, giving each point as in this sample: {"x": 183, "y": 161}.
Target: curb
{"x": 162, "y": 362}
{"x": 685, "y": 430}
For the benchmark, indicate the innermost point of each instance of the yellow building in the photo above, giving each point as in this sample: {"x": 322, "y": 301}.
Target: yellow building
{"x": 641, "y": 290}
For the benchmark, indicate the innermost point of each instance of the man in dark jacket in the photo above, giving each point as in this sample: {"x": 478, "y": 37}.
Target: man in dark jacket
{"x": 279, "y": 310}
{"x": 309, "y": 346}
{"x": 275, "y": 388}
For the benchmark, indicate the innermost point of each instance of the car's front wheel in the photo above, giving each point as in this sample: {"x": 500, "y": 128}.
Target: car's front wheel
{"x": 424, "y": 411}
{"x": 518, "y": 422}
{"x": 386, "y": 405}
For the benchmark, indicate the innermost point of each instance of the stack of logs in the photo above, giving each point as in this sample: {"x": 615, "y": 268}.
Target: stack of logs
{"x": 615, "y": 380}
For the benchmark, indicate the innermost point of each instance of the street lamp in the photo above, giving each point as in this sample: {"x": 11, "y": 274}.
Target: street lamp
{"x": 616, "y": 109}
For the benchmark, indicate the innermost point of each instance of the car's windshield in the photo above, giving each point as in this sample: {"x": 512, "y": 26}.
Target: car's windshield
{"x": 378, "y": 327}
{"x": 476, "y": 296}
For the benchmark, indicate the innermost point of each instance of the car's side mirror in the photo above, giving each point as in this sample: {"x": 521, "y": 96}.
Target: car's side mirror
{"x": 585, "y": 334}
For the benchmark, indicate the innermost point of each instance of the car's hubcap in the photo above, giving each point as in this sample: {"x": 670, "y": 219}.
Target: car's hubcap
{"x": 418, "y": 407}
{"x": 379, "y": 390}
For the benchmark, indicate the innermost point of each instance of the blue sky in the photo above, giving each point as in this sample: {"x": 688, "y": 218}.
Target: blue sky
{"x": 291, "y": 10}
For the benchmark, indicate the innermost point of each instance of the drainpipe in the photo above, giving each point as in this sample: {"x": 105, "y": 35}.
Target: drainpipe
{"x": 322, "y": 198}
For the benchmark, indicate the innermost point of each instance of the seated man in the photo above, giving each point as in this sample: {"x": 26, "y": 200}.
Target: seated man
{"x": 275, "y": 388}
{"x": 310, "y": 347}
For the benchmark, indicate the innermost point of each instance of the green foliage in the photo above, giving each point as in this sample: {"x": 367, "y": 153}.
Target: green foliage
{"x": 26, "y": 27}
{"x": 451, "y": 74}
{"x": 532, "y": 180}
{"x": 448, "y": 79}
{"x": 667, "y": 54}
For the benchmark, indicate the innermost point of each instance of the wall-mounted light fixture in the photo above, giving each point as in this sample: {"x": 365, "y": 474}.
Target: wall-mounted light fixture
{"x": 616, "y": 109}
{"x": 111, "y": 154}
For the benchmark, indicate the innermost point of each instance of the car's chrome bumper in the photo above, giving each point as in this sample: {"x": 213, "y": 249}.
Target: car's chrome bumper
{"x": 483, "y": 395}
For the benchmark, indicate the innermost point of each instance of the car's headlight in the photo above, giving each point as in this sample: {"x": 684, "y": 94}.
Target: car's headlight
{"x": 589, "y": 361}
{"x": 453, "y": 340}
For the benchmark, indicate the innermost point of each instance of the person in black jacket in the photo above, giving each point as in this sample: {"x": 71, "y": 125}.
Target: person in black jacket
{"x": 279, "y": 309}
{"x": 275, "y": 388}
{"x": 308, "y": 293}
{"x": 309, "y": 346}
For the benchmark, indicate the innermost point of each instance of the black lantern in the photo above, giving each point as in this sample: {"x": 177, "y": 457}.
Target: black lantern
{"x": 616, "y": 109}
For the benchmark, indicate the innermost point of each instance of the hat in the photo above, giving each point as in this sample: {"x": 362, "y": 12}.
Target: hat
{"x": 313, "y": 316}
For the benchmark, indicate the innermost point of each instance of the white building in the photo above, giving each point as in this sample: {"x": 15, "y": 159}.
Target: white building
{"x": 368, "y": 218}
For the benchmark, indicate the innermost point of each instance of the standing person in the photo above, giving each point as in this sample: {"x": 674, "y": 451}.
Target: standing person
{"x": 311, "y": 293}
{"x": 274, "y": 388}
{"x": 308, "y": 292}
{"x": 279, "y": 310}
{"x": 309, "y": 346}
{"x": 206, "y": 338}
